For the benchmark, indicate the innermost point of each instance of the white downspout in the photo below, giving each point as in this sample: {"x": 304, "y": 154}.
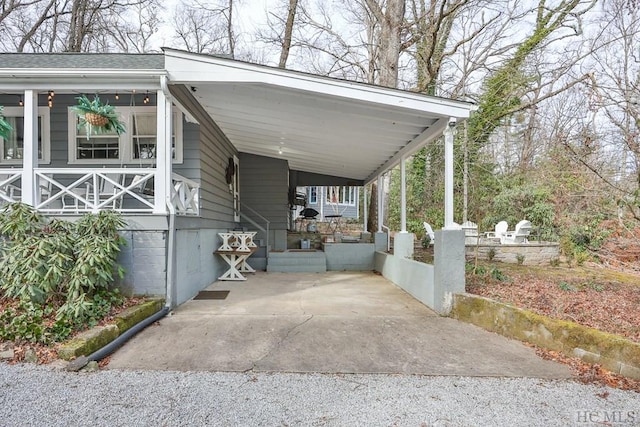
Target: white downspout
{"x": 166, "y": 156}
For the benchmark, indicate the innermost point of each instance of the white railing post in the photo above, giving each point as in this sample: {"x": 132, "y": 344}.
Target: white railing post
{"x": 30, "y": 147}
{"x": 163, "y": 181}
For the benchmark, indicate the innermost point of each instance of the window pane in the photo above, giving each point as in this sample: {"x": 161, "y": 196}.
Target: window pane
{"x": 98, "y": 148}
{"x": 144, "y": 124}
{"x": 144, "y": 136}
{"x": 14, "y": 145}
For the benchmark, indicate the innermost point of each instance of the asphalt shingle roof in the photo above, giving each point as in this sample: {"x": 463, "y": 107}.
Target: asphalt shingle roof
{"x": 124, "y": 61}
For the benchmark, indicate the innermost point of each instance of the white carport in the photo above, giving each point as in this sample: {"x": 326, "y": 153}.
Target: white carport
{"x": 318, "y": 124}
{"x": 341, "y": 129}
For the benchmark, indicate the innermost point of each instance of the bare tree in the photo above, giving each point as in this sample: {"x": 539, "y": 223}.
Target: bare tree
{"x": 68, "y": 25}
{"x": 614, "y": 101}
{"x": 288, "y": 31}
{"x": 202, "y": 28}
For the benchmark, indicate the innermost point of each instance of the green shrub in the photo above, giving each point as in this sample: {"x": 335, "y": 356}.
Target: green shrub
{"x": 566, "y": 286}
{"x": 59, "y": 267}
{"x": 498, "y": 275}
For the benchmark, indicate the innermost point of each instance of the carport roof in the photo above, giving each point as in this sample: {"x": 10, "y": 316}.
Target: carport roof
{"x": 318, "y": 124}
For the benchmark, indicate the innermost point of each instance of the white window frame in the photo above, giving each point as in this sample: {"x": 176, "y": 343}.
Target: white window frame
{"x": 312, "y": 197}
{"x": 44, "y": 115}
{"x": 346, "y": 195}
{"x": 126, "y": 143}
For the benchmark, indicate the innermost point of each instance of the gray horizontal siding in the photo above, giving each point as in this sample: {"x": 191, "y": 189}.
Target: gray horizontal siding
{"x": 214, "y": 150}
{"x": 264, "y": 183}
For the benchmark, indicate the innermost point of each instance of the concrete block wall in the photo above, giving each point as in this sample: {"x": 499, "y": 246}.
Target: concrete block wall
{"x": 533, "y": 253}
{"x": 144, "y": 260}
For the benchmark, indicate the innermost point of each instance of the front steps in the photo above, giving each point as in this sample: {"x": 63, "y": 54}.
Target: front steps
{"x": 297, "y": 261}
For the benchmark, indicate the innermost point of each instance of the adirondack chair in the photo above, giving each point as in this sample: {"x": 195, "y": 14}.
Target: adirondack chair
{"x": 429, "y": 231}
{"x": 500, "y": 230}
{"x": 519, "y": 235}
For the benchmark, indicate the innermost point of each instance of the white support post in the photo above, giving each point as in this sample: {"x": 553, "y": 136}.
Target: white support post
{"x": 30, "y": 147}
{"x": 321, "y": 200}
{"x": 380, "y": 204}
{"x": 449, "y": 134}
{"x": 164, "y": 153}
{"x": 364, "y": 206}
{"x": 403, "y": 195}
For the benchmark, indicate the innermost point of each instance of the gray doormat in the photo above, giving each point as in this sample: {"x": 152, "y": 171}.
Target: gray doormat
{"x": 211, "y": 295}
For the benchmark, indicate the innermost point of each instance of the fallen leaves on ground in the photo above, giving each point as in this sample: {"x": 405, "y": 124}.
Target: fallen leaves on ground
{"x": 606, "y": 303}
{"x": 590, "y": 373}
{"x": 593, "y": 296}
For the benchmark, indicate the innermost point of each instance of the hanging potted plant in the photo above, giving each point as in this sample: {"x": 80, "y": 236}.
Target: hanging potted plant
{"x": 5, "y": 127}
{"x": 97, "y": 117}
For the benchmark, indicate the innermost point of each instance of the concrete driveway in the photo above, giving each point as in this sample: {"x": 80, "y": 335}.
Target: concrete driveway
{"x": 338, "y": 322}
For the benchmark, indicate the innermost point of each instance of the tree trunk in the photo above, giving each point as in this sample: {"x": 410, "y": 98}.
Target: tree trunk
{"x": 288, "y": 31}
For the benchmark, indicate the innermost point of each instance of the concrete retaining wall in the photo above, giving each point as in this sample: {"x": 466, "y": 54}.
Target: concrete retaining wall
{"x": 534, "y": 253}
{"x": 613, "y": 352}
{"x": 433, "y": 285}
{"x": 417, "y": 278}
{"x": 349, "y": 256}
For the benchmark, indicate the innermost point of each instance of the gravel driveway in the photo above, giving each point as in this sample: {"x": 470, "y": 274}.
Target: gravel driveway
{"x": 42, "y": 396}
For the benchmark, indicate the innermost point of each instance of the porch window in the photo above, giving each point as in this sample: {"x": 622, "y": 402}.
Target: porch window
{"x": 12, "y": 148}
{"x": 313, "y": 195}
{"x": 136, "y": 146}
{"x": 342, "y": 195}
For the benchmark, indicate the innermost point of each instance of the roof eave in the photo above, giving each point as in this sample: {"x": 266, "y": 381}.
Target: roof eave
{"x": 79, "y": 79}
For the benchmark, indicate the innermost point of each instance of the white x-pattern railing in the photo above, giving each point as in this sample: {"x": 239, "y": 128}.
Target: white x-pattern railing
{"x": 10, "y": 185}
{"x": 185, "y": 195}
{"x": 126, "y": 190}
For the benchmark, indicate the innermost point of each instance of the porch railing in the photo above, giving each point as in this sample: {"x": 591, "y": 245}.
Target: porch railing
{"x": 10, "y": 185}
{"x": 185, "y": 195}
{"x": 126, "y": 190}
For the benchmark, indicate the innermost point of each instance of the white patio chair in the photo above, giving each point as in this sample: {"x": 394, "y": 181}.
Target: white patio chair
{"x": 500, "y": 230}
{"x": 519, "y": 235}
{"x": 429, "y": 230}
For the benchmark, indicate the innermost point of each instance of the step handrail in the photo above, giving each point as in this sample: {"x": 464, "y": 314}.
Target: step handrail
{"x": 255, "y": 224}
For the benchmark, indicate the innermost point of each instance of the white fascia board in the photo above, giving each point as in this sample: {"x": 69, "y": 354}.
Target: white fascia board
{"x": 78, "y": 79}
{"x": 432, "y": 132}
{"x": 191, "y": 69}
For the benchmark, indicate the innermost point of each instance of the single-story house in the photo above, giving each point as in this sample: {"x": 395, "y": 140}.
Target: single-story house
{"x": 211, "y": 144}
{"x": 340, "y": 200}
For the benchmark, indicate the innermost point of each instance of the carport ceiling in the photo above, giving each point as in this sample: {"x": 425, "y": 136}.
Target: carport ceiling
{"x": 319, "y": 125}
